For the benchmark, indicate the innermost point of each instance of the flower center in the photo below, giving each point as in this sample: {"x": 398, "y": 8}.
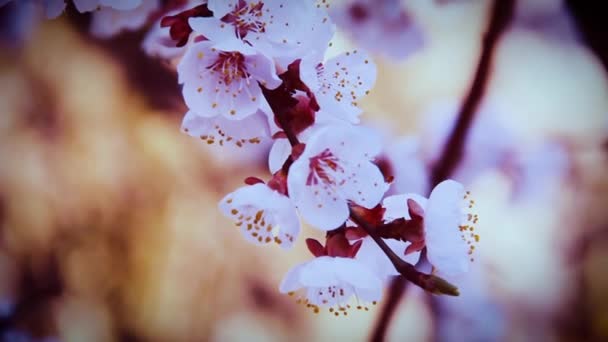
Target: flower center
{"x": 469, "y": 221}
{"x": 246, "y": 18}
{"x": 323, "y": 168}
{"x": 231, "y": 66}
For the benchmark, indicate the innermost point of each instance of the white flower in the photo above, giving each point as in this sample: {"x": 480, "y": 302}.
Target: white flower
{"x": 340, "y": 82}
{"x": 278, "y": 28}
{"x": 262, "y": 214}
{"x": 109, "y": 21}
{"x": 449, "y": 225}
{"x": 224, "y": 82}
{"x": 331, "y": 282}
{"x": 375, "y": 259}
{"x": 380, "y": 26}
{"x": 335, "y": 168}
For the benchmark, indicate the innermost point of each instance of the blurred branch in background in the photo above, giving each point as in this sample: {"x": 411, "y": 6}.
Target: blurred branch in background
{"x": 499, "y": 19}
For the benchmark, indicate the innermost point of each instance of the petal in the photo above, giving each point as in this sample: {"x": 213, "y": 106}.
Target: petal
{"x": 222, "y": 35}
{"x": 356, "y": 274}
{"x": 345, "y": 140}
{"x": 308, "y": 70}
{"x": 365, "y": 186}
{"x": 197, "y": 56}
{"x": 221, "y": 7}
{"x": 319, "y": 272}
{"x": 158, "y": 43}
{"x": 54, "y": 8}
{"x": 446, "y": 249}
{"x": 368, "y": 295}
{"x": 122, "y": 4}
{"x": 280, "y": 151}
{"x": 251, "y": 130}
{"x": 86, "y": 5}
{"x": 289, "y": 223}
{"x": 319, "y": 207}
{"x": 374, "y": 258}
{"x": 291, "y": 280}
{"x": 346, "y": 79}
{"x": 396, "y": 206}
{"x": 263, "y": 70}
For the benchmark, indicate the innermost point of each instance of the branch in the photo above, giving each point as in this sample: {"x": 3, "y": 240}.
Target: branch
{"x": 430, "y": 283}
{"x": 502, "y": 13}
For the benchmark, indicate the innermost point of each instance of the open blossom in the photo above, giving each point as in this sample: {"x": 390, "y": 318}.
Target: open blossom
{"x": 224, "y": 82}
{"x": 340, "y": 82}
{"x": 279, "y": 28}
{"x": 380, "y": 26}
{"x": 335, "y": 168}
{"x": 262, "y": 214}
{"x": 331, "y": 282}
{"x": 109, "y": 21}
{"x": 449, "y": 225}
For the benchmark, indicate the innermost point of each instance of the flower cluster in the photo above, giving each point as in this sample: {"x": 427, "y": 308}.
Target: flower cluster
{"x": 256, "y": 70}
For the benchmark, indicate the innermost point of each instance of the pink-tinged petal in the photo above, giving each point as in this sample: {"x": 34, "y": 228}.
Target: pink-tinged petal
{"x": 353, "y": 272}
{"x": 263, "y": 70}
{"x": 319, "y": 272}
{"x": 109, "y": 21}
{"x": 280, "y": 151}
{"x": 221, "y": 7}
{"x": 54, "y": 8}
{"x": 220, "y": 34}
{"x": 366, "y": 185}
{"x": 308, "y": 70}
{"x": 344, "y": 81}
{"x": 446, "y": 249}
{"x": 368, "y": 295}
{"x": 122, "y": 5}
{"x": 296, "y": 28}
{"x": 319, "y": 207}
{"x": 86, "y": 5}
{"x": 374, "y": 258}
{"x": 348, "y": 141}
{"x": 262, "y": 214}
{"x": 291, "y": 281}
{"x": 158, "y": 43}
{"x": 252, "y": 130}
{"x": 396, "y": 206}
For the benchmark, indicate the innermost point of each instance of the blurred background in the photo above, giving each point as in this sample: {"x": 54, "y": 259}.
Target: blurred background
{"x": 109, "y": 228}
